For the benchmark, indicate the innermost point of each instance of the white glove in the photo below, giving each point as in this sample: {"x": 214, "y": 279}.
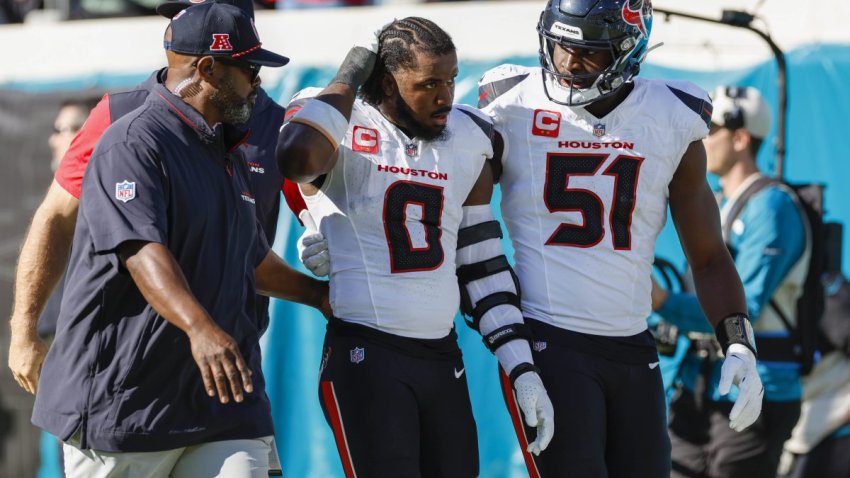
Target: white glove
{"x": 313, "y": 247}
{"x": 740, "y": 368}
{"x": 537, "y": 408}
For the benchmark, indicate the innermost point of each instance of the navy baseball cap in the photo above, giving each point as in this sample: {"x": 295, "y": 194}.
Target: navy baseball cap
{"x": 219, "y": 30}
{"x": 173, "y": 7}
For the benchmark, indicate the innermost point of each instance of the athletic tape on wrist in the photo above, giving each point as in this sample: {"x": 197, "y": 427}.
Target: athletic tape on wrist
{"x": 735, "y": 329}
{"x": 324, "y": 118}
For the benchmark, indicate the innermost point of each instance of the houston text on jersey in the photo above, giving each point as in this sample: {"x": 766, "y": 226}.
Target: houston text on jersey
{"x": 413, "y": 172}
{"x": 594, "y": 145}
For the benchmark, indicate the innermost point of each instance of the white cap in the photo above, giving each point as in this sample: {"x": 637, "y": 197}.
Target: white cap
{"x": 741, "y": 107}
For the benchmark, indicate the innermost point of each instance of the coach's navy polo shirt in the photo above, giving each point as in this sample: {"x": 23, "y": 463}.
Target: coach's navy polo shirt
{"x": 265, "y": 123}
{"x": 266, "y": 179}
{"x": 117, "y": 371}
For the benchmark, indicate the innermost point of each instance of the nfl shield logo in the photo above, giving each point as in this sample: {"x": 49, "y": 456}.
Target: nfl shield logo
{"x": 358, "y": 354}
{"x": 599, "y": 129}
{"x": 125, "y": 191}
{"x": 539, "y": 346}
{"x": 411, "y": 149}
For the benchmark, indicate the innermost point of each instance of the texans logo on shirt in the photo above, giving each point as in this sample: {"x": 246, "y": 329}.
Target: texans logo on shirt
{"x": 256, "y": 167}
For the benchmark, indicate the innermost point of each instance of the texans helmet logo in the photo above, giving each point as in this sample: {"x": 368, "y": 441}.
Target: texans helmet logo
{"x": 639, "y": 16}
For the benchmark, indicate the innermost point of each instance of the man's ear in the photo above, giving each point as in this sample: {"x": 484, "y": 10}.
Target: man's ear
{"x": 206, "y": 68}
{"x": 741, "y": 139}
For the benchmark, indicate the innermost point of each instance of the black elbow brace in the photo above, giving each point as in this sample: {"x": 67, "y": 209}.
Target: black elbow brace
{"x": 472, "y": 272}
{"x": 479, "y": 270}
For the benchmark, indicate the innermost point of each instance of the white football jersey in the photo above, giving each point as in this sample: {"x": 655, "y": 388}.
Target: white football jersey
{"x": 390, "y": 210}
{"x": 584, "y": 199}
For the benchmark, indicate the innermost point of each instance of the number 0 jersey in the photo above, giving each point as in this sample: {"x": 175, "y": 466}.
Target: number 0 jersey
{"x": 390, "y": 210}
{"x": 584, "y": 199}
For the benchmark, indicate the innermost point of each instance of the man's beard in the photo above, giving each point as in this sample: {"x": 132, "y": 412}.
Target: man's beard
{"x": 234, "y": 110}
{"x": 405, "y": 117}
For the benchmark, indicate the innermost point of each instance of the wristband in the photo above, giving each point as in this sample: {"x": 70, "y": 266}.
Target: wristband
{"x": 323, "y": 117}
{"x": 521, "y": 369}
{"x": 735, "y": 329}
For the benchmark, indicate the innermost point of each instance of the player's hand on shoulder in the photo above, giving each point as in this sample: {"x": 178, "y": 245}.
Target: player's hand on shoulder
{"x": 739, "y": 368}
{"x": 535, "y": 405}
{"x": 313, "y": 247}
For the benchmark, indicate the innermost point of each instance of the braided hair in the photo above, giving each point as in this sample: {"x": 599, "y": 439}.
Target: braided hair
{"x": 397, "y": 42}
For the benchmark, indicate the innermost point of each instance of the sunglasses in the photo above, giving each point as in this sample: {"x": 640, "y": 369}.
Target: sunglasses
{"x": 252, "y": 69}
{"x": 65, "y": 129}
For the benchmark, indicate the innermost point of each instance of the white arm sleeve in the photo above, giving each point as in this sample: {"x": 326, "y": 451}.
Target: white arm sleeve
{"x": 514, "y": 352}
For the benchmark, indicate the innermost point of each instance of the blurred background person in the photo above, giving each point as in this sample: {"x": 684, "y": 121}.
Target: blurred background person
{"x": 70, "y": 118}
{"x": 818, "y": 444}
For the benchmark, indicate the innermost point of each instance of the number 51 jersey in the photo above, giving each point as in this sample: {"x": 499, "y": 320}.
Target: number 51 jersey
{"x": 390, "y": 209}
{"x": 584, "y": 199}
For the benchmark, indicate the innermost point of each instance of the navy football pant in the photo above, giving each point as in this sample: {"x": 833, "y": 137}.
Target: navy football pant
{"x": 398, "y": 407}
{"x": 610, "y": 410}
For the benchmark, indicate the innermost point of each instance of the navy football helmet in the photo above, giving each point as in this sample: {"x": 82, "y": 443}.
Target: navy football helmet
{"x": 620, "y": 27}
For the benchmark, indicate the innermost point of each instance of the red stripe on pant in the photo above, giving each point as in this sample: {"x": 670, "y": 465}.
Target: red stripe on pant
{"x": 335, "y": 416}
{"x": 516, "y": 419}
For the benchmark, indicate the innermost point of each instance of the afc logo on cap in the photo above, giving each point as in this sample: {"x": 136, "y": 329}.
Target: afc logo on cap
{"x": 221, "y": 42}
{"x": 546, "y": 123}
{"x": 364, "y": 140}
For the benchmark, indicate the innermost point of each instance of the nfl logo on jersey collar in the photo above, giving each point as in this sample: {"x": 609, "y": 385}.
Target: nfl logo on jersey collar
{"x": 411, "y": 149}
{"x": 599, "y": 130}
{"x": 358, "y": 354}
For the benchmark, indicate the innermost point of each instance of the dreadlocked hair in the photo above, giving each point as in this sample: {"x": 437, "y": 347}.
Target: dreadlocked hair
{"x": 397, "y": 42}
